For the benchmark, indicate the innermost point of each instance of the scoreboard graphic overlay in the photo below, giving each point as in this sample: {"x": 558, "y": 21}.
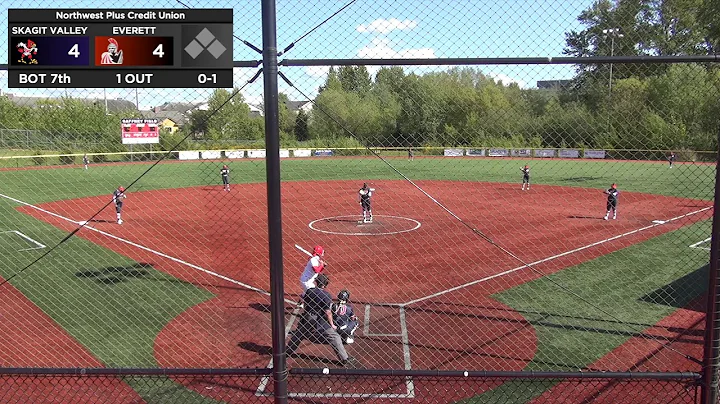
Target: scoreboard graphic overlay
{"x": 98, "y": 48}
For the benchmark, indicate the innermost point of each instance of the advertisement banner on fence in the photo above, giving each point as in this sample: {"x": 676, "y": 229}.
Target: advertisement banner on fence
{"x": 140, "y": 131}
{"x": 302, "y": 153}
{"x": 545, "y": 153}
{"x": 475, "y": 152}
{"x": 256, "y": 154}
{"x": 498, "y": 152}
{"x": 569, "y": 153}
{"x": 210, "y": 154}
{"x": 235, "y": 154}
{"x": 319, "y": 153}
{"x": 453, "y": 152}
{"x": 284, "y": 153}
{"x": 188, "y": 155}
{"x": 594, "y": 154}
{"x": 521, "y": 152}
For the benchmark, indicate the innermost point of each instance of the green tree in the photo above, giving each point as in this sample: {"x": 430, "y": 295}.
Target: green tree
{"x": 301, "y": 130}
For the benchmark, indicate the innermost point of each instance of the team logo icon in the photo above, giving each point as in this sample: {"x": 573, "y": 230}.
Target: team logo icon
{"x": 27, "y": 50}
{"x": 114, "y": 55}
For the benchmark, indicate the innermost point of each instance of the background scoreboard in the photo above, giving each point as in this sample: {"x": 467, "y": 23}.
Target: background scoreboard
{"x": 99, "y": 48}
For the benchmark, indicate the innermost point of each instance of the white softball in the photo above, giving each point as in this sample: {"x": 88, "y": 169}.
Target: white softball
{"x": 326, "y": 371}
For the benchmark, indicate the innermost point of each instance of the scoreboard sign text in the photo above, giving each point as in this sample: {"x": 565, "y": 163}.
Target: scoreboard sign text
{"x": 140, "y": 131}
{"x": 90, "y": 48}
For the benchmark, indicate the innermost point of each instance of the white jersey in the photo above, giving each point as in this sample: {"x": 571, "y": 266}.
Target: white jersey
{"x": 309, "y": 272}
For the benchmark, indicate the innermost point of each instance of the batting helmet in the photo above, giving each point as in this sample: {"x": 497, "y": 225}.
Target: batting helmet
{"x": 318, "y": 250}
{"x": 121, "y": 189}
{"x": 344, "y": 295}
{"x": 322, "y": 280}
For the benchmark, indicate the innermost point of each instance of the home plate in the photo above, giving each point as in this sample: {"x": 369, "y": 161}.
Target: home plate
{"x": 659, "y": 221}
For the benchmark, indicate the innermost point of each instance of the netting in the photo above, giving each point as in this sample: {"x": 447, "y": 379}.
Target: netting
{"x": 509, "y": 215}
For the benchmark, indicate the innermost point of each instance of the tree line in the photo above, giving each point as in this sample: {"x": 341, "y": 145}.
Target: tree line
{"x": 640, "y": 106}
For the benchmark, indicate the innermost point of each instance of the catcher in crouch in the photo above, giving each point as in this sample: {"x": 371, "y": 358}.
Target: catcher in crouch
{"x": 364, "y": 197}
{"x": 344, "y": 317}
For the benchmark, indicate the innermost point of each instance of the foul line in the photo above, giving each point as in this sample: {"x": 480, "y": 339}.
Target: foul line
{"x": 700, "y": 242}
{"x": 38, "y": 244}
{"x": 475, "y": 282}
{"x": 150, "y": 250}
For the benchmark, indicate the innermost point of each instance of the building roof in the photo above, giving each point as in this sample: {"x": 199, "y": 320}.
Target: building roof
{"x": 113, "y": 105}
{"x": 554, "y": 83}
{"x": 178, "y": 117}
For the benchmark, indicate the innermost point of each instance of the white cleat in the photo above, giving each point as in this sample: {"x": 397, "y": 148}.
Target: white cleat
{"x": 119, "y": 222}
{"x": 605, "y": 218}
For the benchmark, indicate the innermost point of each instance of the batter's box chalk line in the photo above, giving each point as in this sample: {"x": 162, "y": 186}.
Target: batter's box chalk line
{"x": 409, "y": 383}
{"x": 38, "y": 245}
{"x": 356, "y": 221}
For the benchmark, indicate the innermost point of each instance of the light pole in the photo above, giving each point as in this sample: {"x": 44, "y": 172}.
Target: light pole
{"x": 612, "y": 33}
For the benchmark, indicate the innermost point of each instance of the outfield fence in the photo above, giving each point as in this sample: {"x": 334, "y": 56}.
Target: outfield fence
{"x": 495, "y": 261}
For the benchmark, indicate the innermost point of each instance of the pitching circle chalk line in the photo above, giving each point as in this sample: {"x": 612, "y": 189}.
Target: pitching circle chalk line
{"x": 417, "y": 226}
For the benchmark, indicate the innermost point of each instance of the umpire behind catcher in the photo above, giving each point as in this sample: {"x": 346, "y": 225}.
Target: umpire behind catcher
{"x": 316, "y": 322}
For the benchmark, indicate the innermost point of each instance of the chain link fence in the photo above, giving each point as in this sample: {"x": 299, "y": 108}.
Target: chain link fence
{"x": 538, "y": 229}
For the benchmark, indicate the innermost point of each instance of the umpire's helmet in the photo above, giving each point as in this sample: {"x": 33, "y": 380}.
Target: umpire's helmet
{"x": 344, "y": 295}
{"x": 322, "y": 280}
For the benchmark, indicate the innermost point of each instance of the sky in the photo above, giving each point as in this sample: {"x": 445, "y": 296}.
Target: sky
{"x": 364, "y": 29}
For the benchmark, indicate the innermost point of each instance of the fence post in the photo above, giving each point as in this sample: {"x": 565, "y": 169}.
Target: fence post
{"x": 711, "y": 359}
{"x": 272, "y": 162}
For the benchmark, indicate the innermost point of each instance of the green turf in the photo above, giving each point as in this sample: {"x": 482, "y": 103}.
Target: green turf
{"x": 93, "y": 304}
{"x": 652, "y": 279}
{"x": 684, "y": 180}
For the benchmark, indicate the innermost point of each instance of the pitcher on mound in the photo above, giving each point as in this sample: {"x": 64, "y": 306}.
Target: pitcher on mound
{"x": 364, "y": 197}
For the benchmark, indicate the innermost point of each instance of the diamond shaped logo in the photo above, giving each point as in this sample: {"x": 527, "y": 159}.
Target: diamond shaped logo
{"x": 194, "y": 49}
{"x": 216, "y": 49}
{"x": 205, "y": 40}
{"x": 205, "y": 37}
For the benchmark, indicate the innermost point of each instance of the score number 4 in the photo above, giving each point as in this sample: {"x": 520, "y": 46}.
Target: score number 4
{"x": 75, "y": 51}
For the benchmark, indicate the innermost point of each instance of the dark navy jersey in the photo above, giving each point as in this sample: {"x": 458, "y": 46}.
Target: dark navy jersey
{"x": 86, "y": 160}
{"x": 365, "y": 194}
{"x": 342, "y": 314}
{"x": 317, "y": 302}
{"x": 672, "y": 157}
{"x": 118, "y": 197}
{"x": 612, "y": 194}
{"x": 225, "y": 172}
{"x": 526, "y": 172}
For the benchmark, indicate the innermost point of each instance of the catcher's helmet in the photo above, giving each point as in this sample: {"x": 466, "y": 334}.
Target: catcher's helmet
{"x": 318, "y": 250}
{"x": 121, "y": 189}
{"x": 344, "y": 295}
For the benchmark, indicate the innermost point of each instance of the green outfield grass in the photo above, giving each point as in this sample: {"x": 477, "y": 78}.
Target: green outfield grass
{"x": 94, "y": 307}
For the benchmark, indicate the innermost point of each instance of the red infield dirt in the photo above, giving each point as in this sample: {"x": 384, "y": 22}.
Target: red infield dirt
{"x": 413, "y": 253}
{"x": 32, "y": 339}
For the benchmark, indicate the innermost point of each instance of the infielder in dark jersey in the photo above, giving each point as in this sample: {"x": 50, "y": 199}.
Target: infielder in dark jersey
{"x": 526, "y": 177}
{"x": 86, "y": 161}
{"x": 612, "y": 201}
{"x": 225, "y": 174}
{"x": 118, "y": 197}
{"x": 365, "y": 195}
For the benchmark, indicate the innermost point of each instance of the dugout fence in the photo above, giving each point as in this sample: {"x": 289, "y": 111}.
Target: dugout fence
{"x": 471, "y": 284}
